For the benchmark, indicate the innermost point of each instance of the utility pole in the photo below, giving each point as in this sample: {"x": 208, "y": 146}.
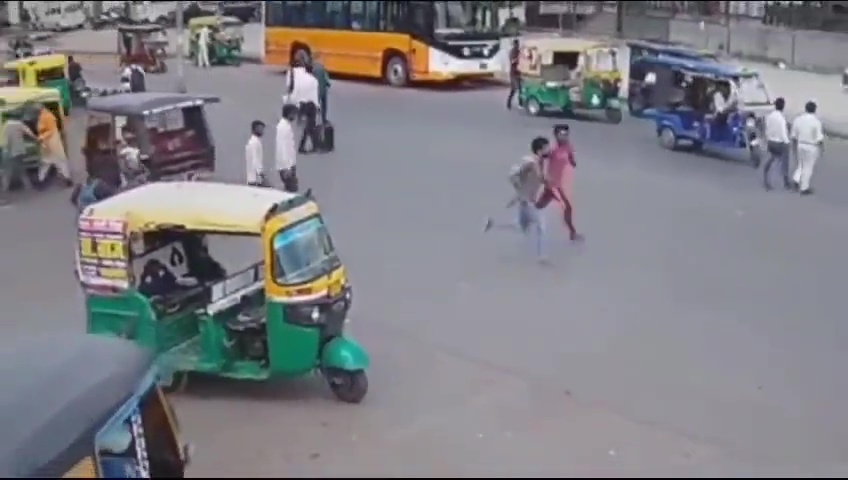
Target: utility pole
{"x": 619, "y": 19}
{"x": 181, "y": 83}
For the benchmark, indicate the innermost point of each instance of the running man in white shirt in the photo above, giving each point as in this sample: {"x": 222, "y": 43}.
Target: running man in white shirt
{"x": 285, "y": 151}
{"x": 808, "y": 137}
{"x": 254, "y": 155}
{"x": 777, "y": 136}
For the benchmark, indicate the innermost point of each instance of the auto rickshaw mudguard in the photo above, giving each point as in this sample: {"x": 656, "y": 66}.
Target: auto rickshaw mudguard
{"x": 344, "y": 353}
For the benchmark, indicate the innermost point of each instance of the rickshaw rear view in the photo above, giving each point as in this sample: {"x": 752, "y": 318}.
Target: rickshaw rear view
{"x": 85, "y": 407}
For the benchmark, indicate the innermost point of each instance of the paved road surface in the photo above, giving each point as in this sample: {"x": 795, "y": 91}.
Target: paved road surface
{"x": 692, "y": 334}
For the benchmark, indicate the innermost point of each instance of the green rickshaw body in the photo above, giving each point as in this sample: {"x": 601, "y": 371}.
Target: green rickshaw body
{"x": 570, "y": 75}
{"x": 226, "y": 44}
{"x": 18, "y": 101}
{"x": 258, "y": 323}
{"x": 44, "y": 71}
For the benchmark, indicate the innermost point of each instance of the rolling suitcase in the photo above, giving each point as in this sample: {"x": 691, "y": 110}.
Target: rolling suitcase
{"x": 326, "y": 137}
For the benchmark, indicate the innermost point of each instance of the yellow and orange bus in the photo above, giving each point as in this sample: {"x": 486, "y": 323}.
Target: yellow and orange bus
{"x": 398, "y": 41}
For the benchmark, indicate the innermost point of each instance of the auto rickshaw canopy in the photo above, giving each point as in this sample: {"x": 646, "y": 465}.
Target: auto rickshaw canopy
{"x": 141, "y": 28}
{"x": 12, "y": 97}
{"x": 199, "y": 206}
{"x": 58, "y": 392}
{"x": 40, "y": 62}
{"x": 538, "y": 52}
{"x": 213, "y": 21}
{"x": 146, "y": 103}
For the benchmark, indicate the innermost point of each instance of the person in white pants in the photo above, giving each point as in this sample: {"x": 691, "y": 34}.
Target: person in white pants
{"x": 808, "y": 136}
{"x": 203, "y": 47}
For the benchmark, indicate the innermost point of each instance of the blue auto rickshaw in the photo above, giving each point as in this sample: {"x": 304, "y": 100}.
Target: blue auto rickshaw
{"x": 688, "y": 117}
{"x": 85, "y": 406}
{"x": 647, "y": 59}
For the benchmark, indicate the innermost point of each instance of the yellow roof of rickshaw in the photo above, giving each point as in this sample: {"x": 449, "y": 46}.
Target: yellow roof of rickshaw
{"x": 200, "y": 206}
{"x": 212, "y": 20}
{"x": 44, "y": 61}
{"x": 560, "y": 44}
{"x": 19, "y": 95}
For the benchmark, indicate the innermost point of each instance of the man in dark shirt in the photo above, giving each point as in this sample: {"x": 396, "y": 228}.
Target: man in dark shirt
{"x": 74, "y": 69}
{"x": 514, "y": 76}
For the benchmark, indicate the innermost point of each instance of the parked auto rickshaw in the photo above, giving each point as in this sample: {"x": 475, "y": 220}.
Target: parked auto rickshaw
{"x": 85, "y": 407}
{"x": 147, "y": 265}
{"x": 48, "y": 71}
{"x": 169, "y": 129}
{"x": 22, "y": 103}
{"x": 570, "y": 75}
{"x": 227, "y": 36}
{"x": 143, "y": 45}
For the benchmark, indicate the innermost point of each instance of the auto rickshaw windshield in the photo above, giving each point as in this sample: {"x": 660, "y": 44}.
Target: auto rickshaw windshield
{"x": 303, "y": 252}
{"x": 753, "y": 91}
{"x": 606, "y": 60}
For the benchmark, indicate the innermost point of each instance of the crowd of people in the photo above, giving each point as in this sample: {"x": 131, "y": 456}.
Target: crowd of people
{"x": 305, "y": 109}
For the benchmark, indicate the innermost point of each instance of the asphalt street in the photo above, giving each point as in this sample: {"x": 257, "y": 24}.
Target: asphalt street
{"x": 696, "y": 332}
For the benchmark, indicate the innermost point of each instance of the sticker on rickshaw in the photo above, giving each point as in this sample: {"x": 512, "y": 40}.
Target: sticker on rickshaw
{"x": 103, "y": 254}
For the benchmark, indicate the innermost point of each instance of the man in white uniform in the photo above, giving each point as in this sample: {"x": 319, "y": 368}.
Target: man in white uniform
{"x": 254, "y": 155}
{"x": 808, "y": 137}
{"x": 285, "y": 152}
{"x": 203, "y": 47}
{"x": 777, "y": 136}
{"x": 303, "y": 92}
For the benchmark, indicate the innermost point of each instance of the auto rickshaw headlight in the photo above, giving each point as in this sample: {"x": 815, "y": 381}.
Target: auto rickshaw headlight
{"x": 315, "y": 315}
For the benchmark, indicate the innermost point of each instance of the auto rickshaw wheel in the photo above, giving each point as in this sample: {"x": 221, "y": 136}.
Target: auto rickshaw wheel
{"x": 613, "y": 115}
{"x": 348, "y": 386}
{"x": 178, "y": 383}
{"x": 667, "y": 138}
{"x": 533, "y": 106}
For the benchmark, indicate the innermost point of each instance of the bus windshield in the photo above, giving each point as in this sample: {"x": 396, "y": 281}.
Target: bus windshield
{"x": 459, "y": 17}
{"x": 303, "y": 252}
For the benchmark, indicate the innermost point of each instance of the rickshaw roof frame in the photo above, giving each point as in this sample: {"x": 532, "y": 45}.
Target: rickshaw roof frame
{"x": 58, "y": 392}
{"x": 146, "y": 103}
{"x": 211, "y": 207}
{"x": 51, "y": 60}
{"x": 701, "y": 68}
{"x": 565, "y": 44}
{"x": 20, "y": 95}
{"x": 140, "y": 28}
{"x": 673, "y": 49}
{"x": 209, "y": 20}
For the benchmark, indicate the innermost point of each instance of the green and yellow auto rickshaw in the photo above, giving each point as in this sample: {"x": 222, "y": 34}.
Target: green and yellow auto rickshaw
{"x": 146, "y": 262}
{"x": 570, "y": 75}
{"x": 21, "y": 102}
{"x": 83, "y": 406}
{"x": 227, "y": 37}
{"x": 44, "y": 71}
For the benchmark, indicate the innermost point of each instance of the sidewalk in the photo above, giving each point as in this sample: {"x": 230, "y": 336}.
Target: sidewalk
{"x": 799, "y": 87}
{"x": 796, "y": 86}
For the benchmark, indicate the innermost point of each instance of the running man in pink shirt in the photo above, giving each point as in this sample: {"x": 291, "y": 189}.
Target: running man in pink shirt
{"x": 559, "y": 176}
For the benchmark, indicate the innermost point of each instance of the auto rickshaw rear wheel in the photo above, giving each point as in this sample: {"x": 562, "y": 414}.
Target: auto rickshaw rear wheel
{"x": 533, "y": 106}
{"x": 667, "y": 138}
{"x": 348, "y": 386}
{"x": 613, "y": 115}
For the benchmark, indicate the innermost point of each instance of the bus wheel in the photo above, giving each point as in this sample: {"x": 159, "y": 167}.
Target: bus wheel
{"x": 397, "y": 71}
